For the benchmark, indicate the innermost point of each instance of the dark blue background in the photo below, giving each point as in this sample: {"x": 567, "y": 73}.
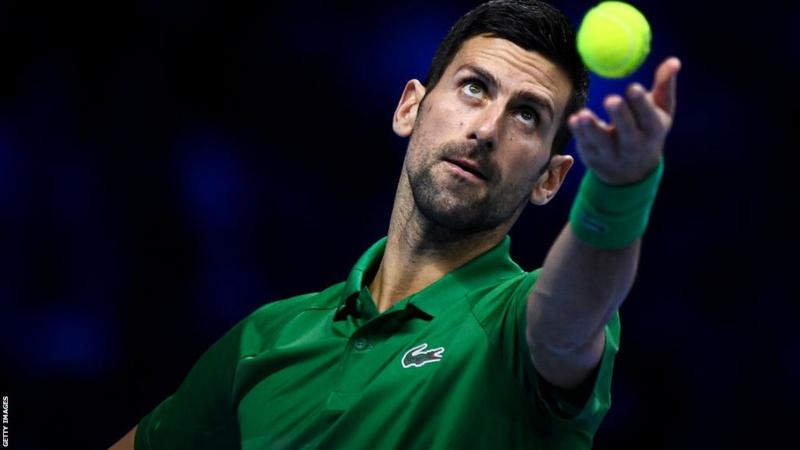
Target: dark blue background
{"x": 167, "y": 167}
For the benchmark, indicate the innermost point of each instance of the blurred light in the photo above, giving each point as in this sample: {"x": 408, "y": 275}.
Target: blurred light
{"x": 211, "y": 180}
{"x": 68, "y": 342}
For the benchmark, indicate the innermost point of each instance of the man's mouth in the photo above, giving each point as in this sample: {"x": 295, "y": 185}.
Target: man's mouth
{"x": 467, "y": 166}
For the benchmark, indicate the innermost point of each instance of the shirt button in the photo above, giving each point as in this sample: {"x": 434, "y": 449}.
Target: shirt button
{"x": 360, "y": 344}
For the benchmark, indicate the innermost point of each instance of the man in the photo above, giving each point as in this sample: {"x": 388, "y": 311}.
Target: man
{"x": 437, "y": 339}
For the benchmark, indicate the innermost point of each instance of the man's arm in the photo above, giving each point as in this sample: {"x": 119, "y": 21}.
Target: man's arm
{"x": 126, "y": 443}
{"x": 582, "y": 285}
{"x": 578, "y": 290}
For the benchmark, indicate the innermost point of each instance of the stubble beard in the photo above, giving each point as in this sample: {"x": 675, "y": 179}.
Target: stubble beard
{"x": 466, "y": 211}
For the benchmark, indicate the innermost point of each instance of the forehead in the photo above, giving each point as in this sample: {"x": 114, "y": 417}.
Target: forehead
{"x": 517, "y": 69}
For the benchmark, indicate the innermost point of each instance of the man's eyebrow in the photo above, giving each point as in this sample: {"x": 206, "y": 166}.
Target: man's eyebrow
{"x": 526, "y": 96}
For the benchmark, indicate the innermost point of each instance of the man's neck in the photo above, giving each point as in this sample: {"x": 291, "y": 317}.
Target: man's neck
{"x": 418, "y": 252}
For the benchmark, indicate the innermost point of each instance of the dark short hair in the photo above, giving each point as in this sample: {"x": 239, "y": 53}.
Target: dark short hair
{"x": 532, "y": 25}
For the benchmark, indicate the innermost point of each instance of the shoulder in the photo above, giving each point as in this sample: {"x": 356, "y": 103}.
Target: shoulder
{"x": 262, "y": 325}
{"x": 325, "y": 299}
{"x": 503, "y": 297}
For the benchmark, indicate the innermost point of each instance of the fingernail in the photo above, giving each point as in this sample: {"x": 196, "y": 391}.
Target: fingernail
{"x": 636, "y": 90}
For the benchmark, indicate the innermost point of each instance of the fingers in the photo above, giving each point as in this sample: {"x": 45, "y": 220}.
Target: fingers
{"x": 592, "y": 132}
{"x": 624, "y": 120}
{"x": 651, "y": 113}
{"x": 665, "y": 85}
{"x": 637, "y": 117}
{"x": 645, "y": 111}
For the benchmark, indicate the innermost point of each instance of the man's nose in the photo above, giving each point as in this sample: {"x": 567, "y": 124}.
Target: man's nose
{"x": 485, "y": 126}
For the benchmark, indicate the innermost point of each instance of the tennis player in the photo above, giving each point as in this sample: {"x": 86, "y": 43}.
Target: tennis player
{"x": 436, "y": 338}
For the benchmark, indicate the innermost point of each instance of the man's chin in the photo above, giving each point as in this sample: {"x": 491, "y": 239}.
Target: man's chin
{"x": 458, "y": 218}
{"x": 450, "y": 203}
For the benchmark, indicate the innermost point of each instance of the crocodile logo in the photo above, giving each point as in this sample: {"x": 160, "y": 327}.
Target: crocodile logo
{"x": 418, "y": 357}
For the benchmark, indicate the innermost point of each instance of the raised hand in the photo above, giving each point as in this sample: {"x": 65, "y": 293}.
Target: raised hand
{"x": 628, "y": 149}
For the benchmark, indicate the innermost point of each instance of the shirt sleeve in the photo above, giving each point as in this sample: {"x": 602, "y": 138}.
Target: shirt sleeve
{"x": 201, "y": 413}
{"x": 581, "y": 409}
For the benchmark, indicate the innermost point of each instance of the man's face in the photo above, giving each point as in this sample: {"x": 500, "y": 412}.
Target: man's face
{"x": 496, "y": 107}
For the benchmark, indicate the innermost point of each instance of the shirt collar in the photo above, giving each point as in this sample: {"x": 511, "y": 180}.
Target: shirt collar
{"x": 485, "y": 269}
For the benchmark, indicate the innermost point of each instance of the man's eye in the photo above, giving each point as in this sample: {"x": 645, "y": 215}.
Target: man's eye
{"x": 528, "y": 116}
{"x": 473, "y": 89}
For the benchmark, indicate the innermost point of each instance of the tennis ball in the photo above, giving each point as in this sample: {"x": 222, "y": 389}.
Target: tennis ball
{"x": 613, "y": 39}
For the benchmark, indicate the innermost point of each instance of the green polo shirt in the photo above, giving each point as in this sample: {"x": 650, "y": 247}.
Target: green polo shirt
{"x": 445, "y": 368}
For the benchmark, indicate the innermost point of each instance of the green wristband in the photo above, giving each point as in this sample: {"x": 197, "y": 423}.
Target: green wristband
{"x": 607, "y": 216}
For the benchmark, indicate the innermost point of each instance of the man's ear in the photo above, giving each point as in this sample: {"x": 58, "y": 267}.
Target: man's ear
{"x": 406, "y": 113}
{"x": 550, "y": 181}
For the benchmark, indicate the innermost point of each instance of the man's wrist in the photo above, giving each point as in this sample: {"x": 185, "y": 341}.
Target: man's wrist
{"x": 607, "y": 216}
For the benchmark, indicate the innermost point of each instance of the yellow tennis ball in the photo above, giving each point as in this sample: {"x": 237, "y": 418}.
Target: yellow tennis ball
{"x": 613, "y": 39}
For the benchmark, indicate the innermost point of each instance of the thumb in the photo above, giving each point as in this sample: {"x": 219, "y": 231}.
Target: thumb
{"x": 665, "y": 85}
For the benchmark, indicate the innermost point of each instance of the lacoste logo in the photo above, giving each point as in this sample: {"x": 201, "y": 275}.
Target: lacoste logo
{"x": 418, "y": 357}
